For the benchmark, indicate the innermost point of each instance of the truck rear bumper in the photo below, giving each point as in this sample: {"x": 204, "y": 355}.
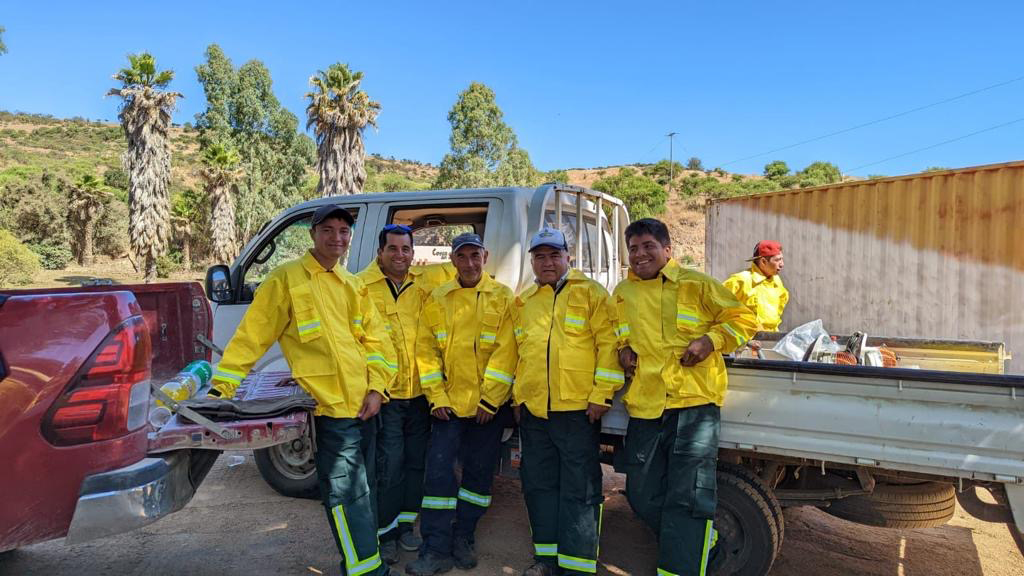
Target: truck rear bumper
{"x": 128, "y": 498}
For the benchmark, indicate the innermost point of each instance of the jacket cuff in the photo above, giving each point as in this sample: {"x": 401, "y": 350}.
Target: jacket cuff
{"x": 600, "y": 397}
{"x": 717, "y": 340}
{"x": 488, "y": 407}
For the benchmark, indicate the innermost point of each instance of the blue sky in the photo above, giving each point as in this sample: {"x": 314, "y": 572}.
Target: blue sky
{"x": 583, "y": 84}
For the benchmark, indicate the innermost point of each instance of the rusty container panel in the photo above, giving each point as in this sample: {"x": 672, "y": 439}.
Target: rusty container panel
{"x": 931, "y": 255}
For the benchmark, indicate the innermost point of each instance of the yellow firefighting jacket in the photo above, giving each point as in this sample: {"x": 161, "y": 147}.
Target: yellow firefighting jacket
{"x": 331, "y": 334}
{"x": 561, "y": 348}
{"x": 658, "y": 319}
{"x": 455, "y": 339}
{"x": 402, "y": 315}
{"x": 766, "y": 297}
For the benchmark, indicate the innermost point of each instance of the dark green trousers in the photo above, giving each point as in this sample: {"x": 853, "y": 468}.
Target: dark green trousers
{"x": 670, "y": 464}
{"x": 561, "y": 477}
{"x": 401, "y": 454}
{"x": 343, "y": 448}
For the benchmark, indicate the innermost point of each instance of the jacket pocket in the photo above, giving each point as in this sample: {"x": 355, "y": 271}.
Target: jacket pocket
{"x": 575, "y": 383}
{"x": 489, "y": 329}
{"x": 307, "y": 318}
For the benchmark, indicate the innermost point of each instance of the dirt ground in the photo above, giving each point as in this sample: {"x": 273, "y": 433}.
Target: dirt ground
{"x": 236, "y": 525}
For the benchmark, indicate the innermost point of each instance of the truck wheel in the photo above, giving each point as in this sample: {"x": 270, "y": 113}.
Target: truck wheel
{"x": 764, "y": 490}
{"x": 747, "y": 534}
{"x": 922, "y": 505}
{"x": 289, "y": 468}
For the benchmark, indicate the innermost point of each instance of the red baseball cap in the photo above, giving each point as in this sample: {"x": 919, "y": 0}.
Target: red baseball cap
{"x": 767, "y": 249}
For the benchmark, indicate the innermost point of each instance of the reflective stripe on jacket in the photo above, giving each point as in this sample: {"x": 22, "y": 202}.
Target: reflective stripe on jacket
{"x": 658, "y": 319}
{"x": 331, "y": 334}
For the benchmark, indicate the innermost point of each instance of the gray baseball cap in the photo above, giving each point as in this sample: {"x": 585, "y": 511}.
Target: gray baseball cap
{"x": 331, "y": 211}
{"x": 549, "y": 237}
{"x": 467, "y": 239}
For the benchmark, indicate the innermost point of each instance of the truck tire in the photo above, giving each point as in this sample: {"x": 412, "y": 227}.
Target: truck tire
{"x": 289, "y": 468}
{"x": 748, "y": 538}
{"x": 767, "y": 493}
{"x": 921, "y": 505}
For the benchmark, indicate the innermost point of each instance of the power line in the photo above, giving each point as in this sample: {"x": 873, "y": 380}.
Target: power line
{"x": 943, "y": 143}
{"x": 879, "y": 120}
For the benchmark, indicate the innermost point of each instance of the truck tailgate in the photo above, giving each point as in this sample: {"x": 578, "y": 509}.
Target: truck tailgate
{"x": 253, "y": 433}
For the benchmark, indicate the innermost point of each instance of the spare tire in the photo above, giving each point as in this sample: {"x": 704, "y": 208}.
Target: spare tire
{"x": 922, "y": 505}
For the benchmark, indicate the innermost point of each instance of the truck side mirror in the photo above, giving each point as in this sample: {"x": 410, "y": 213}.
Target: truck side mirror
{"x": 218, "y": 284}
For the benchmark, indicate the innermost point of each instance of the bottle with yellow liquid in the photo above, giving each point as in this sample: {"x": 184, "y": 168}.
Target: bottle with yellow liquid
{"x": 182, "y": 387}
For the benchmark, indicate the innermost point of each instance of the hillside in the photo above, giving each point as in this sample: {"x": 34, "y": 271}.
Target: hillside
{"x": 36, "y": 151}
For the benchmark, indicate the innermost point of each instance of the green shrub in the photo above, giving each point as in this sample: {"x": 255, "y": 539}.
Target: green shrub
{"x": 168, "y": 264}
{"x": 53, "y": 254}
{"x": 18, "y": 264}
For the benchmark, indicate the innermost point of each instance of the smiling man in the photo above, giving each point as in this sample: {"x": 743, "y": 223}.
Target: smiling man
{"x": 673, "y": 326}
{"x": 456, "y": 337}
{"x": 339, "y": 351}
{"x": 399, "y": 290}
{"x": 559, "y": 344}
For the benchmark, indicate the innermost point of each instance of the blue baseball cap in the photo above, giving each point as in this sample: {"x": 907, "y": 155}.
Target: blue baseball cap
{"x": 549, "y": 237}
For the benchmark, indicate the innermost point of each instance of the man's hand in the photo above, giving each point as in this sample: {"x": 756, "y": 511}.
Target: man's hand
{"x": 596, "y": 411}
{"x": 371, "y": 405}
{"x": 441, "y": 413}
{"x": 697, "y": 351}
{"x": 627, "y": 359}
{"x": 483, "y": 416}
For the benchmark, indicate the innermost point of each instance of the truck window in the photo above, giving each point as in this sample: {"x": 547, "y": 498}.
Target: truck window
{"x": 290, "y": 242}
{"x": 590, "y": 239}
{"x": 434, "y": 227}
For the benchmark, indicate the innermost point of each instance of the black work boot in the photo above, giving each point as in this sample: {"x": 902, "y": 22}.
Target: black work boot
{"x": 464, "y": 551}
{"x": 541, "y": 569}
{"x": 429, "y": 564}
{"x": 389, "y": 551}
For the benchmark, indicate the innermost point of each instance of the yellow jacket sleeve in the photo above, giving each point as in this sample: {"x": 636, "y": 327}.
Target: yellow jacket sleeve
{"x": 429, "y": 359}
{"x": 381, "y": 360}
{"x": 734, "y": 324}
{"x": 783, "y": 300}
{"x": 501, "y": 366}
{"x": 264, "y": 322}
{"x": 608, "y": 375}
{"x": 738, "y": 287}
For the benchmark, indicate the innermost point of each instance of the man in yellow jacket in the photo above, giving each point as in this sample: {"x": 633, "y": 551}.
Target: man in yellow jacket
{"x": 338, "y": 349}
{"x": 399, "y": 291}
{"x": 760, "y": 288}
{"x": 457, "y": 334}
{"x": 559, "y": 342}
{"x": 673, "y": 326}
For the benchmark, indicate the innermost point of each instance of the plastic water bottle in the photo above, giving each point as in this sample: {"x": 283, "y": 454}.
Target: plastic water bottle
{"x": 187, "y": 382}
{"x": 235, "y": 460}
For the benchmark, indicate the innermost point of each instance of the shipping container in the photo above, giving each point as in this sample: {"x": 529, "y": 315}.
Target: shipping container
{"x": 935, "y": 255}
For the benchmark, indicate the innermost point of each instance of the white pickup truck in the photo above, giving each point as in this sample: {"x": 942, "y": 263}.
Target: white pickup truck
{"x": 882, "y": 446}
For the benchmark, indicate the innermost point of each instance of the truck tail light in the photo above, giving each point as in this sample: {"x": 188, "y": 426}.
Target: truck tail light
{"x": 109, "y": 396}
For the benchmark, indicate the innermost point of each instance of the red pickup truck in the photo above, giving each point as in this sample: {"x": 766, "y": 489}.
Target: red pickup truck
{"x": 81, "y": 459}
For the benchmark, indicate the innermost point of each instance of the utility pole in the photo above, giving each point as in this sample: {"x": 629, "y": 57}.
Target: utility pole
{"x": 671, "y": 164}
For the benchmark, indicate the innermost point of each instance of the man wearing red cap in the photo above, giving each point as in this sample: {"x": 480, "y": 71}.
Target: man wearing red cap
{"x": 760, "y": 288}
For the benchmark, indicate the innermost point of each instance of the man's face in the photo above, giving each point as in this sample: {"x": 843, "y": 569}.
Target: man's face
{"x": 771, "y": 266}
{"x": 469, "y": 261}
{"x": 647, "y": 256}
{"x": 331, "y": 238}
{"x": 549, "y": 264}
{"x": 396, "y": 256}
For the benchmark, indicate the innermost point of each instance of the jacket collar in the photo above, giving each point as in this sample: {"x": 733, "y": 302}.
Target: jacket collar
{"x": 486, "y": 284}
{"x": 372, "y": 273}
{"x": 671, "y": 271}
{"x": 312, "y": 265}
{"x": 757, "y": 277}
{"x": 573, "y": 275}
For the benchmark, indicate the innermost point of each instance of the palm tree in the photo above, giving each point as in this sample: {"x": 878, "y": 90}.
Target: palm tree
{"x": 183, "y": 232}
{"x": 86, "y": 205}
{"x": 146, "y": 117}
{"x": 339, "y": 112}
{"x": 219, "y": 171}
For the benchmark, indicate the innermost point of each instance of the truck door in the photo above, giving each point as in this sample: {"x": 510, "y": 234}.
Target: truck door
{"x": 285, "y": 239}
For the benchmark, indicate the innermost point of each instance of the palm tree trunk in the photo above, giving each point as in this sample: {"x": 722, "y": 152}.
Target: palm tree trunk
{"x": 88, "y": 227}
{"x": 186, "y": 252}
